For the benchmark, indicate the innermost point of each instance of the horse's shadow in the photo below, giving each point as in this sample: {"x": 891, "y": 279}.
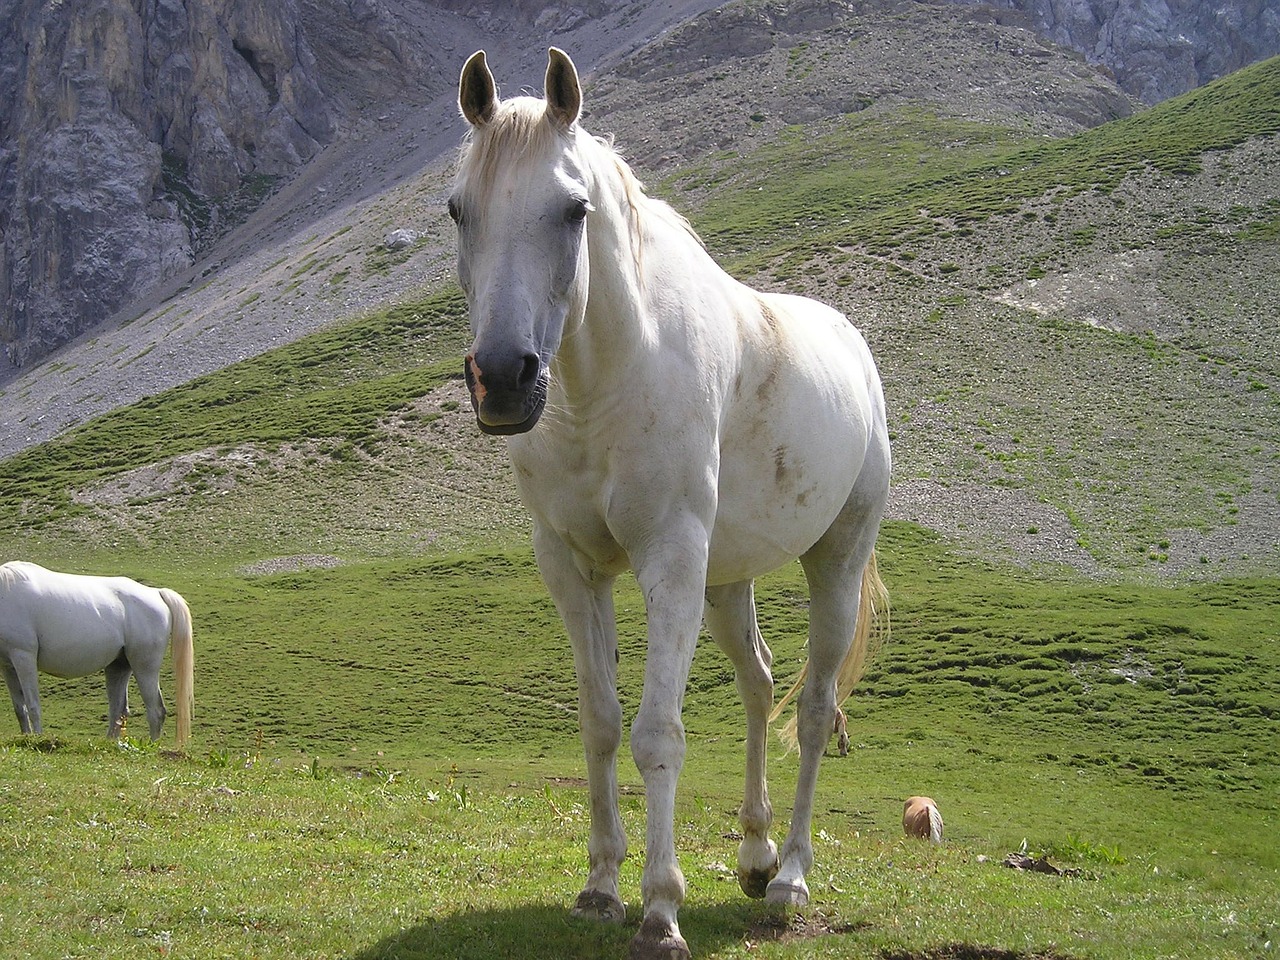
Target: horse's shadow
{"x": 548, "y": 932}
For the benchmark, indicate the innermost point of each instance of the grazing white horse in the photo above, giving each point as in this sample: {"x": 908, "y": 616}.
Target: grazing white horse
{"x": 71, "y": 626}
{"x": 689, "y": 428}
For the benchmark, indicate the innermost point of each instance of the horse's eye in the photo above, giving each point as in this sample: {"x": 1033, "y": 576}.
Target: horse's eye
{"x": 455, "y": 212}
{"x": 578, "y": 211}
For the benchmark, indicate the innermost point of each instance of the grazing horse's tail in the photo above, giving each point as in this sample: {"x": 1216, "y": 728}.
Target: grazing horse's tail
{"x": 935, "y": 825}
{"x": 180, "y": 642}
{"x": 869, "y": 632}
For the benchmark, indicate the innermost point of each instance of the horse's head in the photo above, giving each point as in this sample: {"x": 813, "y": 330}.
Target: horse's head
{"x": 520, "y": 203}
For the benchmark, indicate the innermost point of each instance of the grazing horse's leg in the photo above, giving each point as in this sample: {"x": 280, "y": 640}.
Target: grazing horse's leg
{"x": 833, "y": 569}
{"x": 586, "y": 607}
{"x": 118, "y": 672}
{"x": 730, "y": 616}
{"x": 24, "y": 688}
{"x": 148, "y": 676}
{"x": 672, "y": 579}
{"x": 15, "y": 694}
{"x": 145, "y": 655}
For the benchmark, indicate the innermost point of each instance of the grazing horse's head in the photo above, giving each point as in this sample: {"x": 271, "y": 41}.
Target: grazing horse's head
{"x": 520, "y": 204}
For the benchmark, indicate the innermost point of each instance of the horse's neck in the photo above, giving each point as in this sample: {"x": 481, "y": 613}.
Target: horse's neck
{"x": 626, "y": 258}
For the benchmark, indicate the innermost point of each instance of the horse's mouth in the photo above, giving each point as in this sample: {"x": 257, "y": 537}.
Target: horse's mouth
{"x": 504, "y": 414}
{"x": 510, "y": 429}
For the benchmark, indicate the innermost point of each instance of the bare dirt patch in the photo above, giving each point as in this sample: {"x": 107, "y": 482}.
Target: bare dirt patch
{"x": 971, "y": 951}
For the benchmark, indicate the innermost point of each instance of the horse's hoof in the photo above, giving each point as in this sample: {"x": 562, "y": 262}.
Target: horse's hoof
{"x": 656, "y": 941}
{"x": 755, "y": 882}
{"x": 597, "y": 905}
{"x": 787, "y": 894}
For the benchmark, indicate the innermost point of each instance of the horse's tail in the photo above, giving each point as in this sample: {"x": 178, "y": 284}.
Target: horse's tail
{"x": 869, "y": 632}
{"x": 180, "y": 642}
{"x": 935, "y": 824}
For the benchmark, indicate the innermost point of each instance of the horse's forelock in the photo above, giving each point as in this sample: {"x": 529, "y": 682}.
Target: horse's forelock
{"x": 520, "y": 130}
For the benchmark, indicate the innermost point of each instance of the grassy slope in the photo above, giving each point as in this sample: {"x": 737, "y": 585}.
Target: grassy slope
{"x": 1101, "y": 722}
{"x": 1125, "y": 731}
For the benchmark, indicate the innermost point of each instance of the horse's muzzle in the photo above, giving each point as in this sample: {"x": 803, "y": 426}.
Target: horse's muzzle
{"x": 506, "y": 405}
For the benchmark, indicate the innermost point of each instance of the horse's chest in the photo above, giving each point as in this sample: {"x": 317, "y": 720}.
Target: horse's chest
{"x": 569, "y": 495}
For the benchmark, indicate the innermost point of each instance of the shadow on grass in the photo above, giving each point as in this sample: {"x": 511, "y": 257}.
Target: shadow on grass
{"x": 548, "y": 932}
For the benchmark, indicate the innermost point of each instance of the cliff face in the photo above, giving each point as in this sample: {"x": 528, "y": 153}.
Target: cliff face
{"x": 133, "y": 133}
{"x": 129, "y": 128}
{"x": 1158, "y": 48}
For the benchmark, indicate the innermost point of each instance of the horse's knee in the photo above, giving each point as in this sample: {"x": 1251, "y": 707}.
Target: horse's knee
{"x": 601, "y": 728}
{"x": 657, "y": 743}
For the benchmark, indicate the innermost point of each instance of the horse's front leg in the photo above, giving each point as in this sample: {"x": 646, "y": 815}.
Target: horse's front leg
{"x": 23, "y": 680}
{"x": 672, "y": 580}
{"x": 15, "y": 694}
{"x": 586, "y": 607}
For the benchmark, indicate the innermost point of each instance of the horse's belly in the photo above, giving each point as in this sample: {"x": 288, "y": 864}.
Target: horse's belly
{"x": 77, "y": 656}
{"x": 75, "y": 639}
{"x": 750, "y": 540}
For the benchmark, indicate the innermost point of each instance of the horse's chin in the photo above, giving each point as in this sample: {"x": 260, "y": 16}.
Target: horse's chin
{"x": 511, "y": 429}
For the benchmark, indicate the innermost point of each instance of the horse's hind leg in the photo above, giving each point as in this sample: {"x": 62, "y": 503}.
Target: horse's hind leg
{"x": 833, "y": 569}
{"x": 842, "y": 733}
{"x": 23, "y": 680}
{"x": 118, "y": 673}
{"x": 149, "y": 687}
{"x": 730, "y": 616}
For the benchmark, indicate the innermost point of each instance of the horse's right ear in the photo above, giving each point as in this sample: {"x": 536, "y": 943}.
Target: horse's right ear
{"x": 477, "y": 93}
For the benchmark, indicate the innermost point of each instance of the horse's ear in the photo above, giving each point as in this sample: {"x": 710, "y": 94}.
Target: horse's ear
{"x": 477, "y": 93}
{"x": 564, "y": 93}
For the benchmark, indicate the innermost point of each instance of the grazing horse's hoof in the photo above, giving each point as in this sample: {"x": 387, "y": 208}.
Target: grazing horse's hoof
{"x": 597, "y": 905}
{"x": 787, "y": 894}
{"x": 755, "y": 883}
{"x": 656, "y": 941}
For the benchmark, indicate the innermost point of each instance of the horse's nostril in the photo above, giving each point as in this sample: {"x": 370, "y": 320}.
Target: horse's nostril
{"x": 529, "y": 371}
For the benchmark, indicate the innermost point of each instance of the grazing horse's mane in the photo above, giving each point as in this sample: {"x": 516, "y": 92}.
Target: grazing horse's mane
{"x": 521, "y": 128}
{"x": 11, "y": 572}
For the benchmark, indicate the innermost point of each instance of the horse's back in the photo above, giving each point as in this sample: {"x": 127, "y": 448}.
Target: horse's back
{"x": 77, "y": 624}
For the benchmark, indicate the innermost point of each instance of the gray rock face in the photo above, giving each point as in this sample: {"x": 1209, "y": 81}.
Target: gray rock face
{"x": 134, "y": 133}
{"x": 129, "y": 132}
{"x": 1158, "y": 48}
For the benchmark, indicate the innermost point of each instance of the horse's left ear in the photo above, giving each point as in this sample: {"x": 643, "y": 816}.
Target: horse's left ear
{"x": 564, "y": 92}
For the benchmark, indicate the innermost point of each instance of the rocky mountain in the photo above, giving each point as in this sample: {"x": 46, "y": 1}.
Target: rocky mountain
{"x": 1157, "y": 48}
{"x": 148, "y": 145}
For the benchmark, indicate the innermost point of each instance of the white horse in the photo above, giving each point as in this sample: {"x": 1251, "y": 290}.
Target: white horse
{"x": 71, "y": 626}
{"x": 689, "y": 428}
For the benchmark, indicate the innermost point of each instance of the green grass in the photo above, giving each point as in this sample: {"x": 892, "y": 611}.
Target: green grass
{"x": 123, "y": 853}
{"x": 405, "y": 783}
{"x": 887, "y": 181}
